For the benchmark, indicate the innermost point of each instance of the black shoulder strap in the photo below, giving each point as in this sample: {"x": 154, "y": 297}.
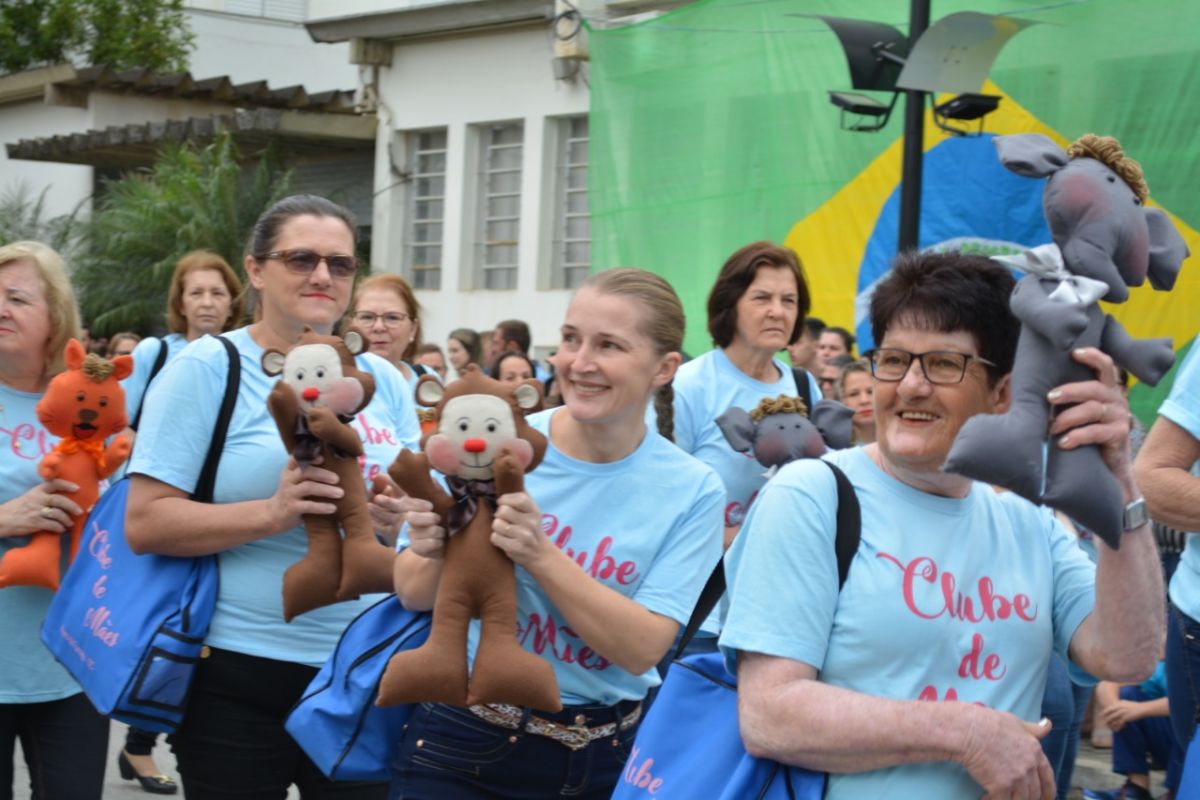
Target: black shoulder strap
{"x": 208, "y": 473}
{"x": 802, "y": 387}
{"x": 159, "y": 361}
{"x": 845, "y": 545}
{"x": 420, "y": 369}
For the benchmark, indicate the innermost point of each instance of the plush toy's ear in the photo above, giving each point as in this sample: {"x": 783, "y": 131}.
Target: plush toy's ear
{"x": 429, "y": 391}
{"x": 1167, "y": 250}
{"x": 123, "y": 367}
{"x": 355, "y": 342}
{"x": 835, "y": 423}
{"x": 272, "y": 362}
{"x": 74, "y": 354}
{"x": 528, "y": 395}
{"x": 738, "y": 427}
{"x": 1033, "y": 155}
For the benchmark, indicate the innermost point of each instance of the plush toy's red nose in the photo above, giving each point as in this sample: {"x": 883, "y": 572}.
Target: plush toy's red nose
{"x": 474, "y": 445}
{"x": 311, "y": 393}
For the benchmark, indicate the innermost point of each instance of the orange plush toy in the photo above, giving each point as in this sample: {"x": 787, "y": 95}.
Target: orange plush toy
{"x": 84, "y": 405}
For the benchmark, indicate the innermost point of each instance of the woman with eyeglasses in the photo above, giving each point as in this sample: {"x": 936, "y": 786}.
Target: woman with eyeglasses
{"x": 232, "y": 743}
{"x": 956, "y": 592}
{"x": 386, "y": 311}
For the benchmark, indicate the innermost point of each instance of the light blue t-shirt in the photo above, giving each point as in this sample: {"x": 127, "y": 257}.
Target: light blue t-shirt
{"x": 181, "y": 410}
{"x": 647, "y": 526}
{"x": 1182, "y": 407}
{"x": 947, "y": 599}
{"x": 28, "y": 673}
{"x": 144, "y": 356}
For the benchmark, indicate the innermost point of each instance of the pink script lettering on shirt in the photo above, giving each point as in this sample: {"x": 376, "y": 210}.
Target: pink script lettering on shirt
{"x": 600, "y": 565}
{"x": 372, "y": 436}
{"x": 546, "y": 638}
{"x": 989, "y": 604}
{"x": 26, "y": 432}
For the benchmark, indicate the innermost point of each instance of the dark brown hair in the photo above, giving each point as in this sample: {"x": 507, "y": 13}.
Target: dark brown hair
{"x": 735, "y": 277}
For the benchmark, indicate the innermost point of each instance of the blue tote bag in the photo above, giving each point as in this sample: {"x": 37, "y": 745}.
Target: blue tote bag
{"x": 689, "y": 745}
{"x": 336, "y": 722}
{"x": 130, "y": 628}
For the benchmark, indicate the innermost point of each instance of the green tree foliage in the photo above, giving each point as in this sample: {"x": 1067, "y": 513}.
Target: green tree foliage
{"x": 141, "y": 225}
{"x": 120, "y": 33}
{"x": 22, "y": 218}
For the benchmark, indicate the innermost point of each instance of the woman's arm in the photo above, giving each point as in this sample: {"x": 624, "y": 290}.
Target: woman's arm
{"x": 418, "y": 568}
{"x": 165, "y": 520}
{"x": 785, "y": 714}
{"x": 617, "y": 627}
{"x": 1172, "y": 493}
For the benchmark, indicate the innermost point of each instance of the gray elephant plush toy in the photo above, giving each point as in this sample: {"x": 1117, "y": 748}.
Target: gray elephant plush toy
{"x": 1105, "y": 241}
{"x": 780, "y": 430}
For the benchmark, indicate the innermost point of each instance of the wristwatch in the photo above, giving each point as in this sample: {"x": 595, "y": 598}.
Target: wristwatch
{"x": 1135, "y": 515}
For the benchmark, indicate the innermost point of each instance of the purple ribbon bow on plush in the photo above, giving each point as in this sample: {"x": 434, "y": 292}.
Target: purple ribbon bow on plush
{"x": 466, "y": 494}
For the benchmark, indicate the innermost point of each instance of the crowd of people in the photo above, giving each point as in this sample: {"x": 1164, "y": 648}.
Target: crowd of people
{"x": 957, "y": 591}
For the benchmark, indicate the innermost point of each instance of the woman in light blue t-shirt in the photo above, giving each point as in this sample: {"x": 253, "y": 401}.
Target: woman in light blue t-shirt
{"x": 40, "y": 703}
{"x": 232, "y": 741}
{"x": 612, "y": 540}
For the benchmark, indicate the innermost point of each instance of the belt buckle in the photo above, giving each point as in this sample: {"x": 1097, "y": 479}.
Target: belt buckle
{"x": 577, "y": 736}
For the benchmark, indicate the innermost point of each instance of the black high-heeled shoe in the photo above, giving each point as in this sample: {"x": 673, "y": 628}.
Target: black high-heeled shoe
{"x": 154, "y": 784}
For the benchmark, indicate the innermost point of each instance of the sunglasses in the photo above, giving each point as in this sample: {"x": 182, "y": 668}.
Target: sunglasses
{"x": 303, "y": 262}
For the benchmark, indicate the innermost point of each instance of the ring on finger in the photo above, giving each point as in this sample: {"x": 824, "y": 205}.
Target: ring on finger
{"x": 47, "y": 512}
{"x": 1103, "y": 411}
{"x": 47, "y": 501}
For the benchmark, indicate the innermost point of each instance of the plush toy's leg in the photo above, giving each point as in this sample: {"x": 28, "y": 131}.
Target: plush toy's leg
{"x": 366, "y": 564}
{"x": 504, "y": 671}
{"x": 1002, "y": 449}
{"x": 312, "y": 582}
{"x": 435, "y": 672}
{"x": 35, "y": 564}
{"x": 1080, "y": 485}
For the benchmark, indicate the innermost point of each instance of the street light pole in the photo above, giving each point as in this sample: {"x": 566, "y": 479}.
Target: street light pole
{"x": 914, "y": 138}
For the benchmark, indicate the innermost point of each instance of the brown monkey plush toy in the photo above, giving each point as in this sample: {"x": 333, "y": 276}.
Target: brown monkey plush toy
{"x": 320, "y": 389}
{"x": 484, "y": 447}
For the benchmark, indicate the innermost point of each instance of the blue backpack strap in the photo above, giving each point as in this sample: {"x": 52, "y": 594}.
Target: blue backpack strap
{"x": 845, "y": 545}
{"x": 159, "y": 361}
{"x": 208, "y": 473}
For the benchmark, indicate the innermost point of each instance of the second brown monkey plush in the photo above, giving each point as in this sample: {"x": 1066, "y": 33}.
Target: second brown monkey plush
{"x": 320, "y": 389}
{"x": 484, "y": 447}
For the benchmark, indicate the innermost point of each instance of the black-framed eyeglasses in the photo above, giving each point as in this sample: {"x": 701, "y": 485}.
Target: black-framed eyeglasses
{"x": 303, "y": 261}
{"x": 392, "y": 319}
{"x": 940, "y": 367}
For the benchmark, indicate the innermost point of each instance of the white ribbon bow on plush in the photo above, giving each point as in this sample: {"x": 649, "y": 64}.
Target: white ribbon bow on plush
{"x": 1046, "y": 261}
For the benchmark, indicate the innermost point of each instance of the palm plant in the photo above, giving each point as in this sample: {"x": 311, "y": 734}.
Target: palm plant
{"x": 22, "y": 217}
{"x": 142, "y": 223}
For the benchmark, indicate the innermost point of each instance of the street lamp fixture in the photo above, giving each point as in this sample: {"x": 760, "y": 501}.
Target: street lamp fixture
{"x": 965, "y": 107}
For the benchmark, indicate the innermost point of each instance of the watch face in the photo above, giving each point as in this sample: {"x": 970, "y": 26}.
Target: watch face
{"x": 1135, "y": 515}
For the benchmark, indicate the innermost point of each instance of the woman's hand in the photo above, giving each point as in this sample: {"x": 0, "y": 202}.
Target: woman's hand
{"x": 426, "y": 536}
{"x": 387, "y": 513}
{"x": 303, "y": 490}
{"x": 517, "y": 529}
{"x": 1099, "y": 415}
{"x": 1004, "y": 755}
{"x": 42, "y": 508}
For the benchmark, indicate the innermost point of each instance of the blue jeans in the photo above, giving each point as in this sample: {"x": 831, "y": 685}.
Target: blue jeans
{"x": 448, "y": 752}
{"x": 1150, "y": 737}
{"x": 1183, "y": 673}
{"x": 1064, "y": 703}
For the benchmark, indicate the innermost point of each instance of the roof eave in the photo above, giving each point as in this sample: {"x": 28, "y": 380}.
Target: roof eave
{"x": 455, "y": 17}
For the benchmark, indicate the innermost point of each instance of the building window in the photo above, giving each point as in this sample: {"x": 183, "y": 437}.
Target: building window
{"x": 500, "y": 205}
{"x": 426, "y": 206}
{"x": 572, "y": 220}
{"x": 292, "y": 10}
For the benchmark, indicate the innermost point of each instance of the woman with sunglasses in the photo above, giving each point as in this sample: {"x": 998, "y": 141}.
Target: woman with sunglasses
{"x": 956, "y": 592}
{"x": 232, "y": 742}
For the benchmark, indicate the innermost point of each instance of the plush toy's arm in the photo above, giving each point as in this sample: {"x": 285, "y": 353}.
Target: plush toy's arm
{"x": 509, "y": 474}
{"x": 1147, "y": 359}
{"x": 325, "y": 425}
{"x": 50, "y": 465}
{"x": 116, "y": 454}
{"x": 410, "y": 471}
{"x": 281, "y": 402}
{"x": 1167, "y": 249}
{"x": 1061, "y": 323}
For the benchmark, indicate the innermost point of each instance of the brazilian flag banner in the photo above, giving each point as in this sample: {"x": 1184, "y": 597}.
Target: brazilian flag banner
{"x": 711, "y": 127}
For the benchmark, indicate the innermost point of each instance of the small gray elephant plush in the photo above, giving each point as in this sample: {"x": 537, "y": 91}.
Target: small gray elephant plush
{"x": 780, "y": 430}
{"x": 1105, "y": 241}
